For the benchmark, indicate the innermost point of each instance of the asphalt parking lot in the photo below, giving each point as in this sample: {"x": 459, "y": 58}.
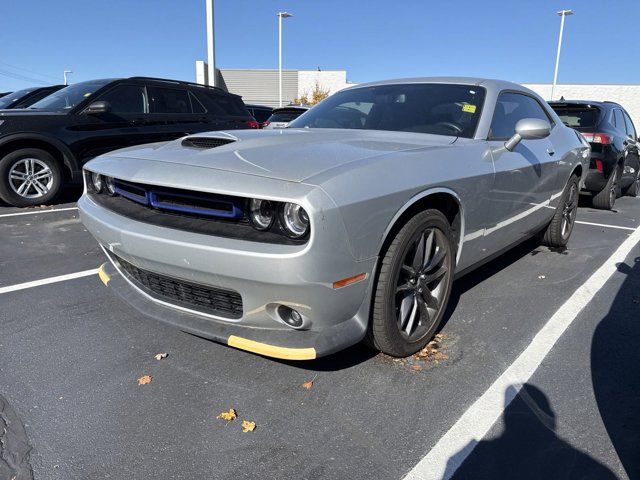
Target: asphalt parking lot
{"x": 71, "y": 354}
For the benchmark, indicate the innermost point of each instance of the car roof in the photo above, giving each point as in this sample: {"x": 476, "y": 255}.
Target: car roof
{"x": 489, "y": 83}
{"x": 290, "y": 107}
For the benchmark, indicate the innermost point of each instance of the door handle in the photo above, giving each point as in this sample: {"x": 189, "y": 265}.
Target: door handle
{"x": 551, "y": 152}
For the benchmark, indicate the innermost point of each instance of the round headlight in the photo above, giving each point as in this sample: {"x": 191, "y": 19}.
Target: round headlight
{"x": 261, "y": 213}
{"x": 108, "y": 182}
{"x": 96, "y": 180}
{"x": 294, "y": 220}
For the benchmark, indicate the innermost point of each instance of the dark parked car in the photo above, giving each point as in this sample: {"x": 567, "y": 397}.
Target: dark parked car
{"x": 2, "y": 94}
{"x": 46, "y": 145}
{"x": 615, "y": 164}
{"x": 27, "y": 97}
{"x": 281, "y": 117}
{"x": 260, "y": 112}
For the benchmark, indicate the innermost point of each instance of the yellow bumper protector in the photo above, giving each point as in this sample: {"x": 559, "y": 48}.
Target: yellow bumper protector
{"x": 271, "y": 350}
{"x": 104, "y": 277}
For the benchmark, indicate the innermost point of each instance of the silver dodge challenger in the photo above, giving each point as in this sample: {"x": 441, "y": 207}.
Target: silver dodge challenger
{"x": 351, "y": 224}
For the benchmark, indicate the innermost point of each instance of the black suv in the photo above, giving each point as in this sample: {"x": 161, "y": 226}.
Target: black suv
{"x": 27, "y": 97}
{"x": 46, "y": 145}
{"x": 615, "y": 163}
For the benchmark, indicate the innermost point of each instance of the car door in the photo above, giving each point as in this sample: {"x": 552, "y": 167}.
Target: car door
{"x": 525, "y": 178}
{"x": 124, "y": 125}
{"x": 176, "y": 112}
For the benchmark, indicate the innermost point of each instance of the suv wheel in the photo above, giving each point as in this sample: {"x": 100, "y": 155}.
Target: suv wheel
{"x": 606, "y": 199}
{"x": 413, "y": 287}
{"x": 29, "y": 177}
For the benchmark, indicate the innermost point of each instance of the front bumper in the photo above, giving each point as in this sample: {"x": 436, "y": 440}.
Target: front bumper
{"x": 298, "y": 276}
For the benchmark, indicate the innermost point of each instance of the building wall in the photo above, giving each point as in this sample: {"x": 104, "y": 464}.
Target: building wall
{"x": 626, "y": 95}
{"x": 260, "y": 86}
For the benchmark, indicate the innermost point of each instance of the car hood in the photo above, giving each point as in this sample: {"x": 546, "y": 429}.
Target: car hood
{"x": 290, "y": 154}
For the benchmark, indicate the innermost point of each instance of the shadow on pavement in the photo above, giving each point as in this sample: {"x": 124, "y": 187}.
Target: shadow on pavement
{"x": 529, "y": 447}
{"x": 615, "y": 370}
{"x": 69, "y": 194}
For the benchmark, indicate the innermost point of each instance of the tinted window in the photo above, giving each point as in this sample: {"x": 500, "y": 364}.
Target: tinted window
{"x": 168, "y": 100}
{"x": 261, "y": 114}
{"x": 631, "y": 131}
{"x": 126, "y": 99}
{"x": 223, "y": 105}
{"x": 576, "y": 116}
{"x": 9, "y": 101}
{"x": 34, "y": 98}
{"x": 285, "y": 115}
{"x": 510, "y": 109}
{"x": 68, "y": 97}
{"x": 618, "y": 120}
{"x": 440, "y": 109}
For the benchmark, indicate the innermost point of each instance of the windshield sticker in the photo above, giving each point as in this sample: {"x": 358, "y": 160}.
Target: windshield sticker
{"x": 87, "y": 94}
{"x": 469, "y": 108}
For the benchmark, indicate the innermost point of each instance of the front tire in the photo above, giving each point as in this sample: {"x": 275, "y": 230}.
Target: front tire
{"x": 28, "y": 177}
{"x": 559, "y": 230}
{"x": 413, "y": 286}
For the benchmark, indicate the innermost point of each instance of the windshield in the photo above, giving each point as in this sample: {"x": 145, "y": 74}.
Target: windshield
{"x": 65, "y": 99}
{"x": 440, "y": 109}
{"x": 8, "y": 100}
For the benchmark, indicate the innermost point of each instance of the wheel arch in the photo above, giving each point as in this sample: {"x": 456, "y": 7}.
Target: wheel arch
{"x": 440, "y": 198}
{"x": 55, "y": 147}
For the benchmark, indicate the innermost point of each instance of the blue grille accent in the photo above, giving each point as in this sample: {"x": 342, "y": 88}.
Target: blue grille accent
{"x": 173, "y": 200}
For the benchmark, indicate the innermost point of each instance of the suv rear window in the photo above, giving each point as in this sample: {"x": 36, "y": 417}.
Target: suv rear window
{"x": 168, "y": 100}
{"x": 285, "y": 115}
{"x": 223, "y": 104}
{"x": 576, "y": 116}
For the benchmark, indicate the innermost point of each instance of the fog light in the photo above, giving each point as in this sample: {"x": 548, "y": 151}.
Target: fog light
{"x": 290, "y": 316}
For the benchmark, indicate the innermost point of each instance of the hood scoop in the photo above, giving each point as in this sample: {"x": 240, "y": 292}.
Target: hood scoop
{"x": 205, "y": 142}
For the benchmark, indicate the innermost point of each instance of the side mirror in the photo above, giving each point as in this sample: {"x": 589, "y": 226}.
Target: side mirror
{"x": 528, "y": 129}
{"x": 98, "y": 107}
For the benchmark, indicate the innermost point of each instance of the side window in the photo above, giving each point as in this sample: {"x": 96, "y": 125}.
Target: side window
{"x": 224, "y": 105}
{"x": 619, "y": 120}
{"x": 511, "y": 108}
{"x": 126, "y": 99}
{"x": 631, "y": 131}
{"x": 168, "y": 100}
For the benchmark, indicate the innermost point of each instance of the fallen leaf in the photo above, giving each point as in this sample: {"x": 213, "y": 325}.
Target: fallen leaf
{"x": 143, "y": 380}
{"x": 308, "y": 384}
{"x": 416, "y": 368}
{"x": 228, "y": 416}
{"x": 160, "y": 356}
{"x": 248, "y": 426}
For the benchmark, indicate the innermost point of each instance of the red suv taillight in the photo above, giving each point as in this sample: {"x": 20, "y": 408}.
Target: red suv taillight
{"x": 252, "y": 124}
{"x": 603, "y": 138}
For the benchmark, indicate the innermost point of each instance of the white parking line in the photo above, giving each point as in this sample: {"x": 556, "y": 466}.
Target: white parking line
{"x": 34, "y": 212}
{"x": 446, "y": 456}
{"x": 605, "y": 225}
{"x": 46, "y": 281}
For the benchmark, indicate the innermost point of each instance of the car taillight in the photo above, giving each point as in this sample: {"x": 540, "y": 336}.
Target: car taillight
{"x": 264, "y": 124}
{"x": 602, "y": 138}
{"x": 599, "y": 166}
{"x": 252, "y": 124}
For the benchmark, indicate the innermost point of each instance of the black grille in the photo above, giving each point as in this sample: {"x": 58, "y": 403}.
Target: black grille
{"x": 205, "y": 142}
{"x": 214, "y": 300}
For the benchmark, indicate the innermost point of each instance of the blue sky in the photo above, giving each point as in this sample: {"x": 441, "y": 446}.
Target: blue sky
{"x": 371, "y": 39}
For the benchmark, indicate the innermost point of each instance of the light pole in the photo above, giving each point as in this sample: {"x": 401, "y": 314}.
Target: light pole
{"x": 563, "y": 14}
{"x": 211, "y": 50}
{"x": 281, "y": 15}
{"x": 66, "y": 73}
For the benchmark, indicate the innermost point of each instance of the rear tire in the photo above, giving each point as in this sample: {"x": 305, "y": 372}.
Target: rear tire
{"x": 28, "y": 177}
{"x": 413, "y": 285}
{"x": 559, "y": 230}
{"x": 606, "y": 199}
